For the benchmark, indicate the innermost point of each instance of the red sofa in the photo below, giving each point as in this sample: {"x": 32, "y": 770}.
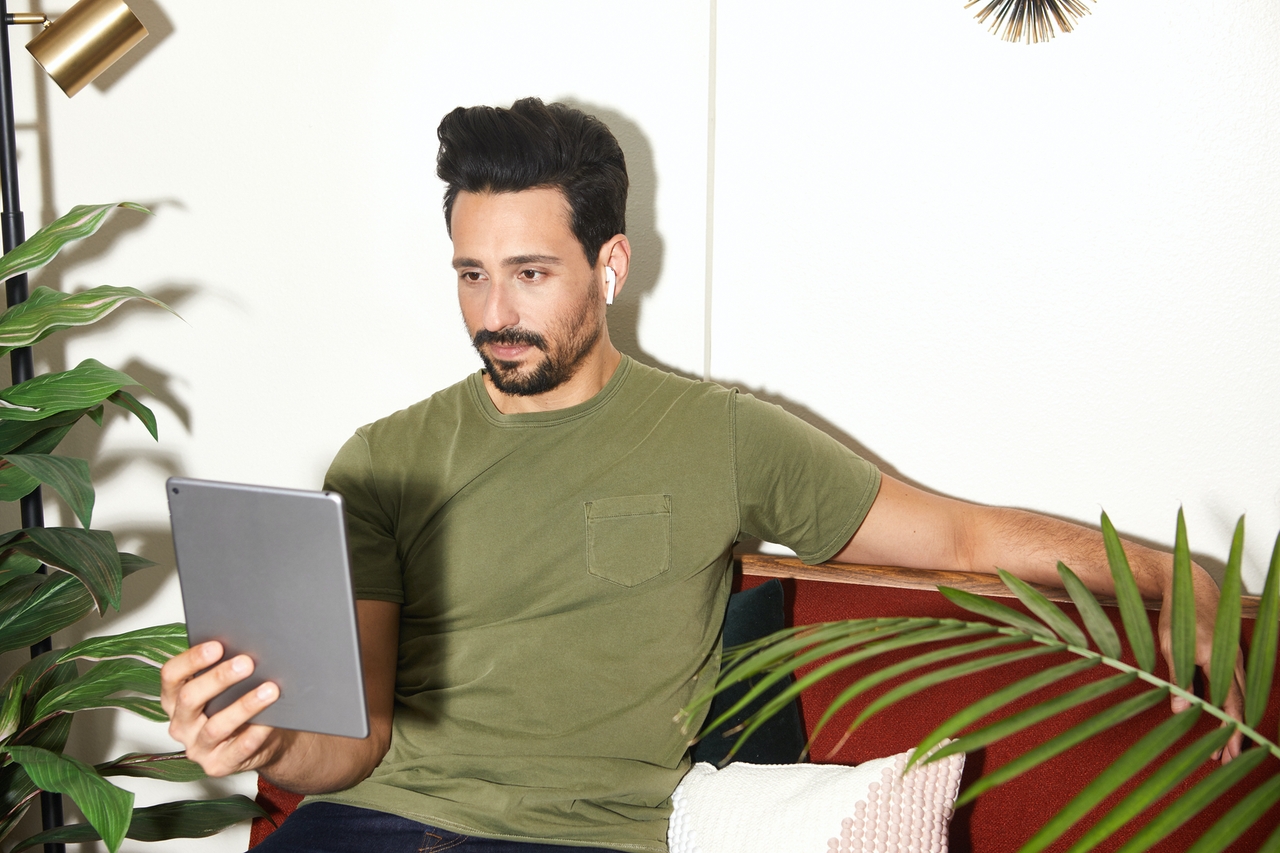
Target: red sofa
{"x": 1005, "y": 817}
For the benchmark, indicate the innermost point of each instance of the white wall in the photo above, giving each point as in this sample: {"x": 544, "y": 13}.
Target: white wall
{"x": 1034, "y": 275}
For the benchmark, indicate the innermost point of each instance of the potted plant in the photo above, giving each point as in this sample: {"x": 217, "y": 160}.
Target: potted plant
{"x": 40, "y": 698}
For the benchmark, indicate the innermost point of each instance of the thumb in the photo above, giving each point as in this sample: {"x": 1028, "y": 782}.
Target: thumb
{"x": 1178, "y": 704}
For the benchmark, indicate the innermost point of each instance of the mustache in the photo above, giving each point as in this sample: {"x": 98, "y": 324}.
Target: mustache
{"x": 513, "y": 337}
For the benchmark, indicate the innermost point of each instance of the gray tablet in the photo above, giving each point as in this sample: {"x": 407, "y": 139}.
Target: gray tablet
{"x": 265, "y": 572}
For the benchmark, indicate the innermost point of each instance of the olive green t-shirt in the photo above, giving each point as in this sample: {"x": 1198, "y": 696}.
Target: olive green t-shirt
{"x": 563, "y": 578}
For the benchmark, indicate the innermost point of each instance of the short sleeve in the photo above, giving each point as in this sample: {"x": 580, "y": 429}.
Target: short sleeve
{"x": 796, "y": 485}
{"x": 375, "y": 563}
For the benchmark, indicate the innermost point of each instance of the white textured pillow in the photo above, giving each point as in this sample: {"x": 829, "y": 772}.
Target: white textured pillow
{"x": 815, "y": 808}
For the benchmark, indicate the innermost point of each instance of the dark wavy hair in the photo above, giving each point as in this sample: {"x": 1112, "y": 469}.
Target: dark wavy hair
{"x": 530, "y": 145}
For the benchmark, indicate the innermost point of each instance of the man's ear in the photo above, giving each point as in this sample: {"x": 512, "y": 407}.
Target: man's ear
{"x": 616, "y": 255}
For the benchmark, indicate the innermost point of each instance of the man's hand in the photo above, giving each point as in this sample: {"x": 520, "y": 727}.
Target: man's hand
{"x": 304, "y": 762}
{"x": 914, "y": 529}
{"x": 1206, "y": 594}
{"x": 227, "y": 742}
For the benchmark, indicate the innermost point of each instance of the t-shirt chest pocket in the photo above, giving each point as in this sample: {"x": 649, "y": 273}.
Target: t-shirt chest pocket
{"x": 629, "y": 538}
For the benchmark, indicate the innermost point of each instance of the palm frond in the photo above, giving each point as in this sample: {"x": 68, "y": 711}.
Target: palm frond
{"x": 1146, "y": 773}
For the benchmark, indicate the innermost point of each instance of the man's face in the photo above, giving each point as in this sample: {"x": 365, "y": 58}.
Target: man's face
{"x": 529, "y": 298}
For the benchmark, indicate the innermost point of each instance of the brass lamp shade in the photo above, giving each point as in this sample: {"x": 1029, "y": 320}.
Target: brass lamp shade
{"x": 85, "y": 40}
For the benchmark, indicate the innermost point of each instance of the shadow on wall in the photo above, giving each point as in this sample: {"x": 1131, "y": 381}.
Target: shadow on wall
{"x": 646, "y": 268}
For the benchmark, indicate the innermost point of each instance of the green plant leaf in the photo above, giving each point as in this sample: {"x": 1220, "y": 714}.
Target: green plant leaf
{"x": 16, "y": 484}
{"x": 1244, "y": 815}
{"x": 66, "y": 475}
{"x": 155, "y": 644}
{"x": 1121, "y": 770}
{"x": 181, "y": 819}
{"x": 1100, "y": 722}
{"x": 44, "y": 245}
{"x": 1025, "y": 719}
{"x": 89, "y": 555}
{"x": 1194, "y": 801}
{"x": 1155, "y": 786}
{"x": 47, "y": 311}
{"x": 39, "y": 436}
{"x": 1262, "y": 651}
{"x": 130, "y": 403}
{"x": 946, "y": 674}
{"x": 991, "y": 610}
{"x": 1226, "y": 628}
{"x": 892, "y": 671}
{"x": 17, "y": 565}
{"x": 99, "y": 687}
{"x": 922, "y": 631}
{"x": 104, "y": 805}
{"x": 1049, "y": 613}
{"x": 85, "y": 386}
{"x": 996, "y": 701}
{"x": 56, "y": 601}
{"x": 169, "y": 766}
{"x": 1132, "y": 610}
{"x": 1100, "y": 628}
{"x": 1184, "y": 609}
{"x": 16, "y": 690}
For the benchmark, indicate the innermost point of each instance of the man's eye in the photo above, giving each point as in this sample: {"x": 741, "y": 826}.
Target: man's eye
{"x": 470, "y": 275}
{"x": 530, "y": 275}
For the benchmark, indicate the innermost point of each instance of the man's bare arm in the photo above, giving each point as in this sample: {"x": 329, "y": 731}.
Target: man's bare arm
{"x": 915, "y": 529}
{"x": 304, "y": 762}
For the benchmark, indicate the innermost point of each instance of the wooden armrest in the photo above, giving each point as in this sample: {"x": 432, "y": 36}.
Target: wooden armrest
{"x": 766, "y": 565}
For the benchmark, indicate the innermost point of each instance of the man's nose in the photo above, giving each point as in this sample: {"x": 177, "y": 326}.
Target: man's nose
{"x": 499, "y": 308}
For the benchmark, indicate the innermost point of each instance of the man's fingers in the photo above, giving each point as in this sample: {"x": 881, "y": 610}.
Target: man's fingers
{"x": 181, "y": 668}
{"x": 227, "y": 742}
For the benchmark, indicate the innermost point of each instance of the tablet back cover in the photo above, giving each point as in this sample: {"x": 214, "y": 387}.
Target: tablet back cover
{"x": 265, "y": 572}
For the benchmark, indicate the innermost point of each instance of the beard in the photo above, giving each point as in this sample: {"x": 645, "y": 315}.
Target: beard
{"x": 562, "y": 354}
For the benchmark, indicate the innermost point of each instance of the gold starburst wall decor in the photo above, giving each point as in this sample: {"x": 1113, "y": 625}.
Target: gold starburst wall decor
{"x": 1030, "y": 21}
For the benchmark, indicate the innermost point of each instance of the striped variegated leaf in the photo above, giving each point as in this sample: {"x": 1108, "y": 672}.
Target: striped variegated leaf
{"x": 66, "y": 475}
{"x": 102, "y": 686}
{"x": 168, "y": 766}
{"x": 89, "y": 555}
{"x": 16, "y": 690}
{"x": 83, "y": 387}
{"x": 15, "y": 484}
{"x": 181, "y": 819}
{"x": 154, "y": 645}
{"x": 47, "y": 311}
{"x": 17, "y": 565}
{"x": 130, "y": 403}
{"x": 49, "y": 604}
{"x": 40, "y": 436}
{"x": 44, "y": 245}
{"x": 108, "y": 808}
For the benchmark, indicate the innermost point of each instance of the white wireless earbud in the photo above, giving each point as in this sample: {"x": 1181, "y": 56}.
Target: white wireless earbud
{"x": 611, "y": 279}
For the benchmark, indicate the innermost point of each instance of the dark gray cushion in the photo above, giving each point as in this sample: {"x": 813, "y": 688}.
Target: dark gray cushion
{"x": 752, "y": 614}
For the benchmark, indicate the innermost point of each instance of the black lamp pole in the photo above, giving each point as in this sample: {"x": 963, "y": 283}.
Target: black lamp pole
{"x": 20, "y": 362}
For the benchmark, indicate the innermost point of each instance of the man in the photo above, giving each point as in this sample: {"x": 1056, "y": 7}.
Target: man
{"x": 542, "y": 550}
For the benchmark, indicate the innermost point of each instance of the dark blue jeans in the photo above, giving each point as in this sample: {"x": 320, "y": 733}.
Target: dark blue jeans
{"x": 334, "y": 828}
